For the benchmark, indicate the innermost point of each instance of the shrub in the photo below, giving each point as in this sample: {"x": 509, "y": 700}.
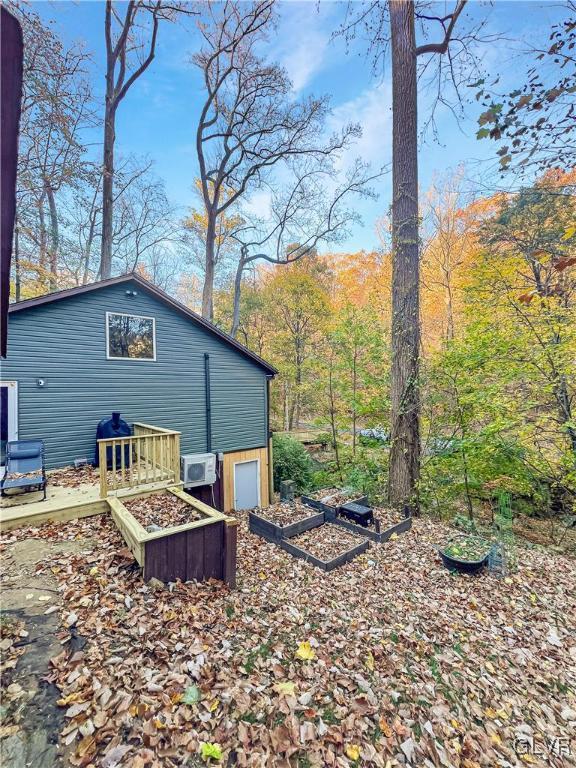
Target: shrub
{"x": 291, "y": 462}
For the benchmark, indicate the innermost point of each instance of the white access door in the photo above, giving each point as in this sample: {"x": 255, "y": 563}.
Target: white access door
{"x": 8, "y": 415}
{"x": 247, "y": 484}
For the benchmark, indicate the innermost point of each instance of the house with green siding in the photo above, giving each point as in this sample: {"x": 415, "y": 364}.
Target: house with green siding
{"x": 123, "y": 345}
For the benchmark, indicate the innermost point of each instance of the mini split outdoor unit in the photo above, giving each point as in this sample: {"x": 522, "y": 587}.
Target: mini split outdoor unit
{"x": 198, "y": 469}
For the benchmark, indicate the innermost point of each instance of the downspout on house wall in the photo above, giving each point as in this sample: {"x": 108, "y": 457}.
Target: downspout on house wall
{"x": 208, "y": 402}
{"x": 270, "y": 451}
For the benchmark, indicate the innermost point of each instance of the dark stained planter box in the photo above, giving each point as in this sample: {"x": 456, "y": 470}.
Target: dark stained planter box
{"x": 331, "y": 512}
{"x": 380, "y": 538}
{"x": 204, "y": 549}
{"x": 325, "y": 565}
{"x": 272, "y": 532}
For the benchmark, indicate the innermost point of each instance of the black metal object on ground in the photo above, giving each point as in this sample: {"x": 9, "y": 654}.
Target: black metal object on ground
{"x": 357, "y": 513}
{"x": 329, "y": 510}
{"x": 463, "y": 566}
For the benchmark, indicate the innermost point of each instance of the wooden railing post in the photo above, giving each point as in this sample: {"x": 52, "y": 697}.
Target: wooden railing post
{"x": 157, "y": 449}
{"x": 103, "y": 466}
{"x": 176, "y": 457}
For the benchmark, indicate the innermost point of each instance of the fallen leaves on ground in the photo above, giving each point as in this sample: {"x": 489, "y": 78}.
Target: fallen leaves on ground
{"x": 334, "y": 497}
{"x": 163, "y": 510}
{"x": 411, "y": 665}
{"x": 286, "y": 512}
{"x": 327, "y": 541}
{"x": 73, "y": 477}
{"x": 12, "y": 646}
{"x": 387, "y": 517}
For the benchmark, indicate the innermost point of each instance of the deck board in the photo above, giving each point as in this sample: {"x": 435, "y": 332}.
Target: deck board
{"x": 61, "y": 504}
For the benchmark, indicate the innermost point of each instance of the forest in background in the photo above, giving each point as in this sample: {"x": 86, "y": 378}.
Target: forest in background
{"x": 498, "y": 349}
{"x": 497, "y": 303}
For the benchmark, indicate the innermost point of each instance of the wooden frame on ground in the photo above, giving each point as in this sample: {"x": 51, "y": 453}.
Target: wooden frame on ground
{"x": 379, "y": 538}
{"x": 325, "y": 565}
{"x": 331, "y": 511}
{"x": 199, "y": 550}
{"x": 273, "y": 532}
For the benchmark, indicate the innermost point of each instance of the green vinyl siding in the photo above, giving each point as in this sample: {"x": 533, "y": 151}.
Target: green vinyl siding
{"x": 64, "y": 343}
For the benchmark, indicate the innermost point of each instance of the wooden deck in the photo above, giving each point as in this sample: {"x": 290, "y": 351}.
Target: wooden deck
{"x": 61, "y": 504}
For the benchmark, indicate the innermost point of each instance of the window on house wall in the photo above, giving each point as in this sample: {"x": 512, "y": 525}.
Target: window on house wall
{"x": 130, "y": 337}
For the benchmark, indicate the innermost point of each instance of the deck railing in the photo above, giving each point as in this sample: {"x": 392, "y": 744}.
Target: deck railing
{"x": 150, "y": 456}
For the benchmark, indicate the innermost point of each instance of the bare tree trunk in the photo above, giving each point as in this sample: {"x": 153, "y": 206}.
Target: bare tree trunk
{"x": 208, "y": 288}
{"x": 107, "y": 191}
{"x": 237, "y": 295}
{"x": 354, "y": 390}
{"x": 333, "y": 420}
{"x": 286, "y": 410}
{"x": 17, "y": 278}
{"x": 54, "y": 238}
{"x": 405, "y": 417}
{"x": 298, "y": 382}
{"x": 42, "y": 240}
{"x": 565, "y": 409}
{"x": 450, "y": 311}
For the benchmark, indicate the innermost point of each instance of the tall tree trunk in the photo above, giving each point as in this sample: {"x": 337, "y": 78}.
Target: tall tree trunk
{"x": 298, "y": 382}
{"x": 208, "y": 288}
{"x": 42, "y": 241}
{"x": 565, "y": 409}
{"x": 88, "y": 249}
{"x": 286, "y": 409}
{"x": 354, "y": 390}
{"x": 405, "y": 416}
{"x": 54, "y": 237}
{"x": 17, "y": 277}
{"x": 450, "y": 311}
{"x": 237, "y": 294}
{"x": 105, "y": 270}
{"x": 333, "y": 420}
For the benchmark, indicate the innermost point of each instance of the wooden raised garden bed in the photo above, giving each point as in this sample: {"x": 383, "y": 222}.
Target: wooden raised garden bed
{"x": 326, "y": 547}
{"x": 331, "y": 501}
{"x": 385, "y": 532}
{"x": 284, "y": 520}
{"x": 194, "y": 540}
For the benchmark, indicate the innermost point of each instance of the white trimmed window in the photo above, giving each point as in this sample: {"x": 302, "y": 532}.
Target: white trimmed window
{"x": 130, "y": 337}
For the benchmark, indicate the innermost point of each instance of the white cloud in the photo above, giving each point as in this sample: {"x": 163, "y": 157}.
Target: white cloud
{"x": 259, "y": 204}
{"x": 372, "y": 110}
{"x": 301, "y": 45}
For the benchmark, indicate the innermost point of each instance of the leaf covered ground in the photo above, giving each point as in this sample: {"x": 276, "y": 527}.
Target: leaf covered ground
{"x": 162, "y": 510}
{"x": 389, "y": 660}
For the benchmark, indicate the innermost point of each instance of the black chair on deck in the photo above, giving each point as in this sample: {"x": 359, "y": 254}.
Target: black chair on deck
{"x": 24, "y": 469}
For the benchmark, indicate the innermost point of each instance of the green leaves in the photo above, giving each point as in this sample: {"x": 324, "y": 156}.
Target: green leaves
{"x": 210, "y": 751}
{"x": 192, "y": 695}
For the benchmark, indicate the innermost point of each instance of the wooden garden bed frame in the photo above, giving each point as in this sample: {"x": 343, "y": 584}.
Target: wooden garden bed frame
{"x": 331, "y": 512}
{"x": 325, "y": 565}
{"x": 379, "y": 538}
{"x": 199, "y": 550}
{"x": 332, "y": 516}
{"x": 275, "y": 533}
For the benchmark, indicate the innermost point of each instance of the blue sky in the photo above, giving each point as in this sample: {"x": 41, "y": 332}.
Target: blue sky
{"x": 157, "y": 118}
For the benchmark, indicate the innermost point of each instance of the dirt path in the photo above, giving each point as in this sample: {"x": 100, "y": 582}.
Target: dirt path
{"x": 30, "y": 720}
